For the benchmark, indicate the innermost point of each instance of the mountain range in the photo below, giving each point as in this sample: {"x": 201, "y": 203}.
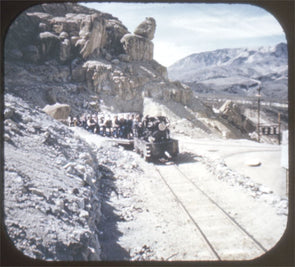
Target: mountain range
{"x": 236, "y": 72}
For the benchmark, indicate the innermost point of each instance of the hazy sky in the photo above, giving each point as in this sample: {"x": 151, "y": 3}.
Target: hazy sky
{"x": 184, "y": 29}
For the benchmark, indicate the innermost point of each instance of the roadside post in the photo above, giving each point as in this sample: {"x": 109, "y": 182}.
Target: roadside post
{"x": 258, "y": 114}
{"x": 285, "y": 157}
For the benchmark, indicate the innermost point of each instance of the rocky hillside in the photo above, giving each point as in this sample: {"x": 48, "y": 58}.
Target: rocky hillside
{"x": 80, "y": 60}
{"x": 237, "y": 72}
{"x": 52, "y": 184}
{"x": 63, "y": 59}
{"x": 70, "y": 54}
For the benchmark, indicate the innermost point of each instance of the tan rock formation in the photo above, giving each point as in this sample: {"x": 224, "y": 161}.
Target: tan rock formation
{"x": 146, "y": 29}
{"x": 137, "y": 47}
{"x": 58, "y": 111}
{"x": 95, "y": 50}
{"x": 91, "y": 35}
{"x": 233, "y": 114}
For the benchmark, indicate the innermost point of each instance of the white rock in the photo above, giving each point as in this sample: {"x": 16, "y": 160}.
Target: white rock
{"x": 253, "y": 162}
{"x": 84, "y": 214}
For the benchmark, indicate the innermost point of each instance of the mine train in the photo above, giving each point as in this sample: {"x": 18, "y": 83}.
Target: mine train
{"x": 149, "y": 137}
{"x": 155, "y": 150}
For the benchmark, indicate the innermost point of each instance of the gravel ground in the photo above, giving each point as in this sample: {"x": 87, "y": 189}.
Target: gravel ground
{"x": 89, "y": 199}
{"x": 143, "y": 221}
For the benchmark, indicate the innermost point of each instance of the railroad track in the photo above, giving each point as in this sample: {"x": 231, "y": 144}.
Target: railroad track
{"x": 223, "y": 236}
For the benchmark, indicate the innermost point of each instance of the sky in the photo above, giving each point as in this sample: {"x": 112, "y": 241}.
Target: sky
{"x": 187, "y": 28}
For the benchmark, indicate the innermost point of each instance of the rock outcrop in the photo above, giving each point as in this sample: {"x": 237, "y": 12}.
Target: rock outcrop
{"x": 231, "y": 112}
{"x": 146, "y": 29}
{"x": 139, "y": 46}
{"x": 58, "y": 111}
{"x": 90, "y": 49}
{"x": 63, "y": 32}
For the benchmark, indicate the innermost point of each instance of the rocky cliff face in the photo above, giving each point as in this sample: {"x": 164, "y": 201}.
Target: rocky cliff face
{"x": 93, "y": 51}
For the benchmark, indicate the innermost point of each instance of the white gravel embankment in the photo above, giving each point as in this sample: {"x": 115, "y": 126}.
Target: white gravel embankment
{"x": 51, "y": 187}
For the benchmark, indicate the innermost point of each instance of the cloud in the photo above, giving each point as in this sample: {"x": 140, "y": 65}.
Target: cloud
{"x": 184, "y": 29}
{"x": 228, "y": 26}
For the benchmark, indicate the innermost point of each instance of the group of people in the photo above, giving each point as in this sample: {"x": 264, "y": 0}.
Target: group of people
{"x": 125, "y": 126}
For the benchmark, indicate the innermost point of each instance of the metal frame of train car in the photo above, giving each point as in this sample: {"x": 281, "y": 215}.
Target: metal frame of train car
{"x": 166, "y": 148}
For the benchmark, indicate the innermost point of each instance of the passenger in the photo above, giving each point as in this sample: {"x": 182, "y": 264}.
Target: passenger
{"x": 116, "y": 125}
{"x": 90, "y": 123}
{"x": 122, "y": 126}
{"x": 140, "y": 130}
{"x": 145, "y": 121}
{"x": 83, "y": 121}
{"x": 161, "y": 131}
{"x": 135, "y": 122}
{"x": 102, "y": 128}
{"x": 108, "y": 126}
{"x": 96, "y": 126}
{"x": 75, "y": 122}
{"x": 149, "y": 127}
{"x": 70, "y": 121}
{"x": 129, "y": 123}
{"x": 97, "y": 130}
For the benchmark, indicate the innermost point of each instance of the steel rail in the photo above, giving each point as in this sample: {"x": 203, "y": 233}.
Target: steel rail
{"x": 230, "y": 217}
{"x": 189, "y": 215}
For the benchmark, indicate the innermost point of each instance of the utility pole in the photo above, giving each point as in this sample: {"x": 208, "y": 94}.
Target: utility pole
{"x": 258, "y": 115}
{"x": 279, "y": 130}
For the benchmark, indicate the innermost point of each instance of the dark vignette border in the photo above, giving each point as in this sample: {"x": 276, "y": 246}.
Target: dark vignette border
{"x": 283, "y": 254}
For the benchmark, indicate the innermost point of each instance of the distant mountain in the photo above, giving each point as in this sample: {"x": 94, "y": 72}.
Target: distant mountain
{"x": 236, "y": 72}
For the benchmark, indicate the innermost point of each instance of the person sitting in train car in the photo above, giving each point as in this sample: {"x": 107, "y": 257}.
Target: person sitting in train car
{"x": 164, "y": 126}
{"x": 96, "y": 128}
{"x": 82, "y": 121}
{"x": 122, "y": 127}
{"x": 70, "y": 121}
{"x": 148, "y": 127}
{"x": 153, "y": 131}
{"x": 108, "y": 126}
{"x": 76, "y": 122}
{"x": 90, "y": 123}
{"x": 115, "y": 126}
{"x": 135, "y": 125}
{"x": 129, "y": 126}
{"x": 158, "y": 129}
{"x": 102, "y": 128}
{"x": 145, "y": 121}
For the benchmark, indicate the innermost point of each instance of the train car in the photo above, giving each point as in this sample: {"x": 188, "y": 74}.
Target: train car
{"x": 155, "y": 150}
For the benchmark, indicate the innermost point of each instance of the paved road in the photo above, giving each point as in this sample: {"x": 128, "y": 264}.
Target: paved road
{"x": 238, "y": 153}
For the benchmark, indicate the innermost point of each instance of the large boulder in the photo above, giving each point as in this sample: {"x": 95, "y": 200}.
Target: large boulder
{"x": 232, "y": 113}
{"x": 137, "y": 47}
{"x": 58, "y": 111}
{"x": 91, "y": 35}
{"x": 146, "y": 29}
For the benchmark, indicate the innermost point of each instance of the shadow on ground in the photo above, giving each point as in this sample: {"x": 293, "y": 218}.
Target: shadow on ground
{"x": 111, "y": 250}
{"x": 182, "y": 158}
